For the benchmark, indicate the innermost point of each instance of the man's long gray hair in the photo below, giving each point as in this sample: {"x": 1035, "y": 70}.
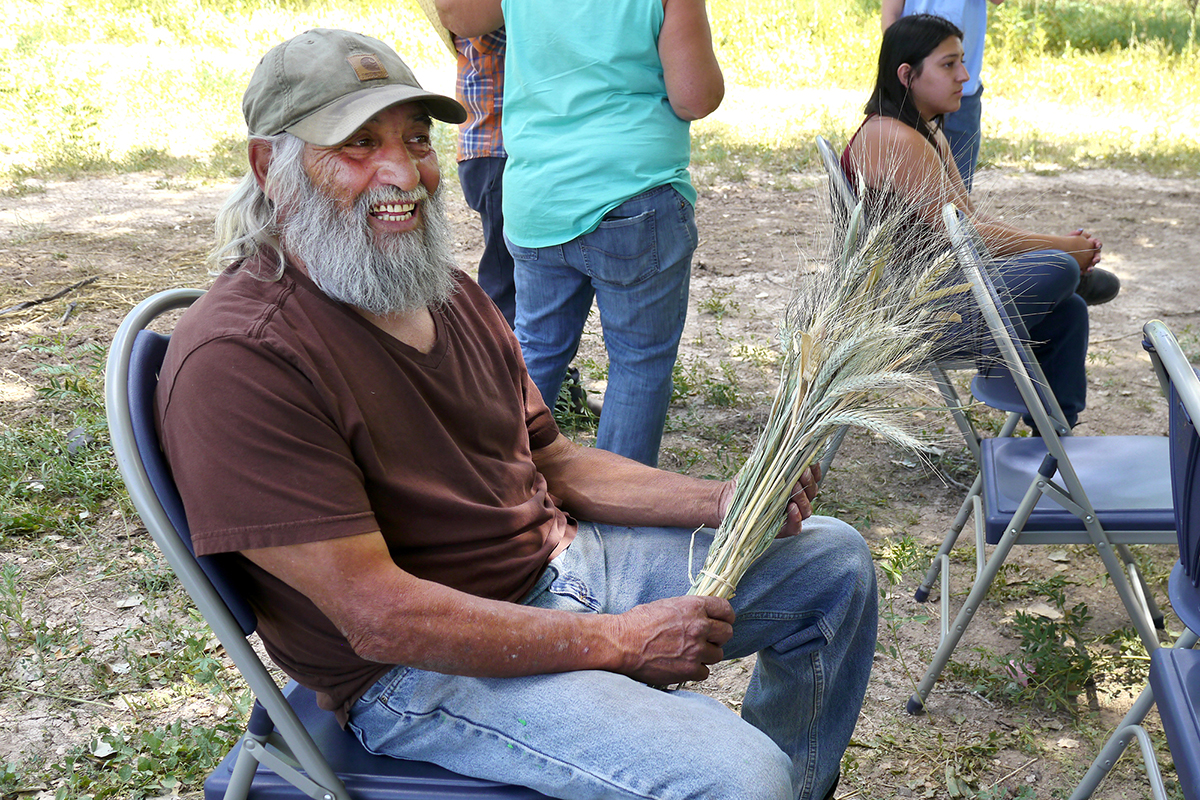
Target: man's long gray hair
{"x": 396, "y": 274}
{"x": 246, "y": 223}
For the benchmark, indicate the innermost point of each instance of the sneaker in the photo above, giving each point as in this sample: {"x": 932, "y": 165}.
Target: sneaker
{"x": 577, "y": 396}
{"x": 1098, "y": 286}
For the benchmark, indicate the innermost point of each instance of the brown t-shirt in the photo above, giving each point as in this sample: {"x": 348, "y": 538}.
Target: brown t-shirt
{"x": 288, "y": 418}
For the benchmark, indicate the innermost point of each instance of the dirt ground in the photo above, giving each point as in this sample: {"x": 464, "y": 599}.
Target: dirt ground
{"x": 138, "y": 234}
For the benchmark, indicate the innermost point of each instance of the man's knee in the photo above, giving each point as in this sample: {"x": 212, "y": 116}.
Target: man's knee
{"x": 759, "y": 771}
{"x": 845, "y": 549}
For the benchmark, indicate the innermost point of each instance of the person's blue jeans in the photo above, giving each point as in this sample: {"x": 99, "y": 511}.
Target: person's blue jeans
{"x": 482, "y": 188}
{"x": 1041, "y": 286}
{"x": 808, "y": 607}
{"x": 637, "y": 264}
{"x": 963, "y": 129}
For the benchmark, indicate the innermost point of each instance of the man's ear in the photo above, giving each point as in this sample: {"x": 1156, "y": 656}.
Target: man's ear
{"x": 260, "y": 160}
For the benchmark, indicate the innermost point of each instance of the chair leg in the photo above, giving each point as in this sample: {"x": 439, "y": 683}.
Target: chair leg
{"x": 243, "y": 771}
{"x": 964, "y": 512}
{"x": 831, "y": 449}
{"x": 1134, "y": 606}
{"x": 956, "y": 527}
{"x": 1140, "y": 587}
{"x": 955, "y": 407}
{"x": 1117, "y": 743}
{"x": 979, "y": 590}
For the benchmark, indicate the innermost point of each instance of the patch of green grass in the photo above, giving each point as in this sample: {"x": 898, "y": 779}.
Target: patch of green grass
{"x": 723, "y": 391}
{"x": 59, "y": 472}
{"x": 718, "y": 303}
{"x": 130, "y": 765}
{"x": 58, "y": 468}
{"x": 1059, "y": 657}
{"x": 692, "y": 377}
{"x": 98, "y": 86}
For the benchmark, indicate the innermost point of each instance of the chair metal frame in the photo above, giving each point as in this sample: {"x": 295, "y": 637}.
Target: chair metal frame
{"x": 278, "y": 756}
{"x": 1182, "y": 389}
{"x": 1053, "y": 506}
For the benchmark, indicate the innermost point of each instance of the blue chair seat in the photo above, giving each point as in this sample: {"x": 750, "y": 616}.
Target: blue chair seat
{"x": 364, "y": 774}
{"x": 997, "y": 389}
{"x": 1103, "y": 464}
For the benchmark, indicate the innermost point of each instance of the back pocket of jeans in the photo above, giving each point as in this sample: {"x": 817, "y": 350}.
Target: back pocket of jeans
{"x": 622, "y": 250}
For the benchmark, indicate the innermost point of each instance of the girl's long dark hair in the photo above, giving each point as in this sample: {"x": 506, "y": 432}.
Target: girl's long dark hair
{"x": 908, "y": 41}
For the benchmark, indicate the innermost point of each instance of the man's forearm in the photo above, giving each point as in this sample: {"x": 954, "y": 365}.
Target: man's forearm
{"x": 449, "y": 632}
{"x": 604, "y": 487}
{"x": 392, "y": 617}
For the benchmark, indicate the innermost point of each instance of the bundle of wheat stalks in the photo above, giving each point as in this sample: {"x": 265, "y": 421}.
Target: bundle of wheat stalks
{"x": 864, "y": 327}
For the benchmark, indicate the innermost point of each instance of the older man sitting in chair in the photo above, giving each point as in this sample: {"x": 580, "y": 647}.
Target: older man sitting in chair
{"x": 456, "y": 580}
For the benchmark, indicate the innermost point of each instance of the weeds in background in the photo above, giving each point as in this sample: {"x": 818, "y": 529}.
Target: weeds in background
{"x": 95, "y": 86}
{"x": 58, "y": 468}
{"x": 59, "y": 472}
{"x": 718, "y": 303}
{"x": 133, "y": 765}
{"x": 1059, "y": 657}
{"x": 896, "y": 559}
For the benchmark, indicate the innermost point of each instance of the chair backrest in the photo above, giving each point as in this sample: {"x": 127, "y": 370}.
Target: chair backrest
{"x": 1183, "y": 395}
{"x": 134, "y": 360}
{"x": 841, "y": 191}
{"x": 1003, "y": 322}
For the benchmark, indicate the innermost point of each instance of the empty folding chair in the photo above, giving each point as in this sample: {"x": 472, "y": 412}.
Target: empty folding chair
{"x": 292, "y": 748}
{"x": 1174, "y": 671}
{"x": 1106, "y": 491}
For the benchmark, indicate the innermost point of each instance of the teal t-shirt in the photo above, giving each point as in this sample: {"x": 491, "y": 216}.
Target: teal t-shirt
{"x": 586, "y": 122}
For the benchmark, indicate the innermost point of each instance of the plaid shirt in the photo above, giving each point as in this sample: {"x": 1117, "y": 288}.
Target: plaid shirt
{"x": 480, "y": 88}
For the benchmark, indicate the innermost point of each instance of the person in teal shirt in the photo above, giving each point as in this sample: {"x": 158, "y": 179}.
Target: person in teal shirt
{"x": 598, "y": 203}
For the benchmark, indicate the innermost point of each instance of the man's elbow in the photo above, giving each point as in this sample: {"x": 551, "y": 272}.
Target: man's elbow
{"x": 698, "y": 104}
{"x": 369, "y": 643}
{"x": 460, "y": 18}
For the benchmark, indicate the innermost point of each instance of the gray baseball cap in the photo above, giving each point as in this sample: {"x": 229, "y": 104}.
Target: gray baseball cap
{"x": 323, "y": 84}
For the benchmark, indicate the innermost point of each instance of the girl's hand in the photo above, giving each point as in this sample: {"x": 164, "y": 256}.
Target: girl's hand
{"x": 1093, "y": 246}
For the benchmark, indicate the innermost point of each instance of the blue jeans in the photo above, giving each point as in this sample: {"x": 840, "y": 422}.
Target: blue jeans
{"x": 481, "y": 183}
{"x": 637, "y": 264}
{"x": 963, "y": 130}
{"x": 807, "y": 607}
{"x": 1041, "y": 286}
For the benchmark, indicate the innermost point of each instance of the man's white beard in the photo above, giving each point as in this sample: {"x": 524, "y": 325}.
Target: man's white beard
{"x": 398, "y": 274}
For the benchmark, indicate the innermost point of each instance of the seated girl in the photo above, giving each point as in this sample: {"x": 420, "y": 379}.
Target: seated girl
{"x": 900, "y": 156}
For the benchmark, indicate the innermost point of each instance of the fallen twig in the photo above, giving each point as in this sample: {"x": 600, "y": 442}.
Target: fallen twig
{"x": 1014, "y": 772}
{"x": 64, "y": 697}
{"x": 48, "y": 298}
{"x": 971, "y": 692}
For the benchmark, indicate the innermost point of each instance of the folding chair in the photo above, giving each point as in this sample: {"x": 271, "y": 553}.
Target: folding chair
{"x": 999, "y": 392}
{"x": 1107, "y": 491}
{"x": 1174, "y": 671}
{"x": 292, "y": 748}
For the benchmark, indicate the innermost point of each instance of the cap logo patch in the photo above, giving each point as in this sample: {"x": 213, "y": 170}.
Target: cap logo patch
{"x": 367, "y": 67}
